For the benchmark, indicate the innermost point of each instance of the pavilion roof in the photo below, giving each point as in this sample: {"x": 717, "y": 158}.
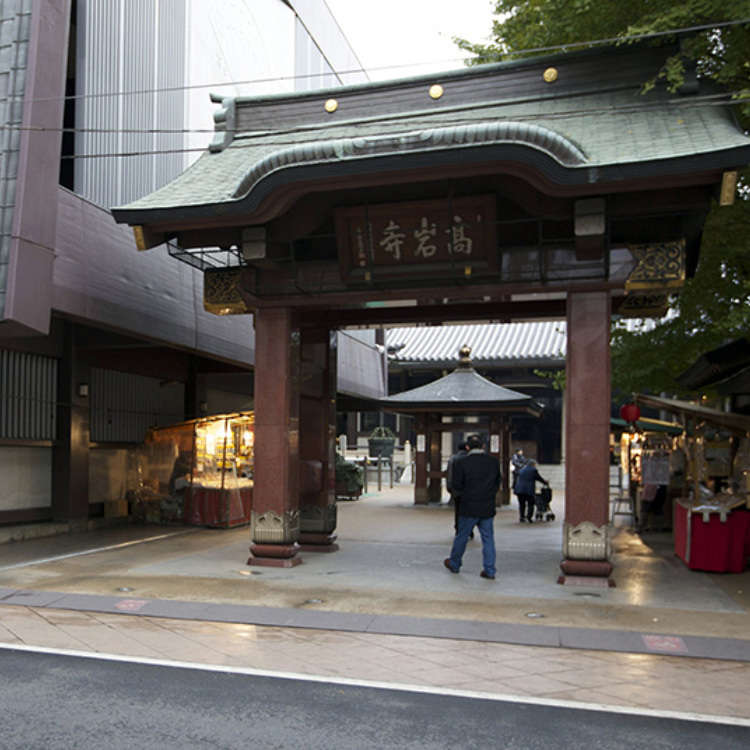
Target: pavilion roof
{"x": 579, "y": 118}
{"x": 463, "y": 390}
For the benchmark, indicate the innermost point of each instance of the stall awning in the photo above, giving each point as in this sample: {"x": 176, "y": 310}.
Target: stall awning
{"x": 738, "y": 423}
{"x": 648, "y": 425}
{"x": 717, "y": 365}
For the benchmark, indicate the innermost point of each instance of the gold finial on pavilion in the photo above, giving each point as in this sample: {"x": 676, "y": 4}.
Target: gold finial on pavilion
{"x": 464, "y": 356}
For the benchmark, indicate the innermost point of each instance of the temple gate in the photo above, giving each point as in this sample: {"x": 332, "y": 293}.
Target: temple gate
{"x": 542, "y": 188}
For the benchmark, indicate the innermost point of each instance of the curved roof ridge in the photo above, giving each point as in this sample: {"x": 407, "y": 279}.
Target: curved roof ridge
{"x": 558, "y": 147}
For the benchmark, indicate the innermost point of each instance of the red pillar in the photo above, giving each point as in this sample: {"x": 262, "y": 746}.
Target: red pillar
{"x": 317, "y": 435}
{"x": 587, "y": 394}
{"x": 275, "y": 514}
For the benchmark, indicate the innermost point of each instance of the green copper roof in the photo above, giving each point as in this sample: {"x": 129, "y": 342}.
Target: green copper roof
{"x": 591, "y": 125}
{"x": 463, "y": 389}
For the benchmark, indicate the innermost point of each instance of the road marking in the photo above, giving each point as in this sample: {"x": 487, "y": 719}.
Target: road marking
{"x": 378, "y": 685}
{"x": 131, "y": 605}
{"x": 97, "y": 549}
{"x": 671, "y": 644}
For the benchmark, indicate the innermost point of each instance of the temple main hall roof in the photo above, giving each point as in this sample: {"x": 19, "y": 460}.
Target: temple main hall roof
{"x": 541, "y": 343}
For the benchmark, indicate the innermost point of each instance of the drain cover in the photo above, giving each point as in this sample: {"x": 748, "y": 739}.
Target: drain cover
{"x": 588, "y": 594}
{"x": 534, "y": 614}
{"x": 125, "y": 588}
{"x": 313, "y": 601}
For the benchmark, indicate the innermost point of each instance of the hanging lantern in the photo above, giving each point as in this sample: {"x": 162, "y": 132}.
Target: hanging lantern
{"x": 630, "y": 413}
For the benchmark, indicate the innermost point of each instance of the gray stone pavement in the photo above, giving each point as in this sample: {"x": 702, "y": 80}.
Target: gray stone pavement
{"x": 383, "y": 611}
{"x": 388, "y": 576}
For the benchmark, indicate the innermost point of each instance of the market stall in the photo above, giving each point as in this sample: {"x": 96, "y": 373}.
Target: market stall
{"x": 199, "y": 472}
{"x": 649, "y": 456}
{"x": 712, "y": 512}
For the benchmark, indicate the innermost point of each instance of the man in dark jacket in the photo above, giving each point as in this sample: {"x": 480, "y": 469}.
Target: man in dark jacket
{"x": 463, "y": 449}
{"x": 525, "y": 487}
{"x": 475, "y": 480}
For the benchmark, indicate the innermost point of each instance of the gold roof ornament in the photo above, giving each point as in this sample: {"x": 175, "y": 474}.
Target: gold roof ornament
{"x": 660, "y": 265}
{"x": 222, "y": 293}
{"x": 550, "y": 75}
{"x": 464, "y": 356}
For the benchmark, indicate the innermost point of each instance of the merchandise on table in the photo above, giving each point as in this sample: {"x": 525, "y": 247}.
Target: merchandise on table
{"x": 199, "y": 472}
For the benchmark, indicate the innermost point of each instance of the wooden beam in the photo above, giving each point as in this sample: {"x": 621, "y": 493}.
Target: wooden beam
{"x": 469, "y": 293}
{"x": 490, "y": 311}
{"x": 457, "y": 426}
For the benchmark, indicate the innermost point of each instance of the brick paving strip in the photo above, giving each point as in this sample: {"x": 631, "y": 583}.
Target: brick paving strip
{"x": 646, "y": 684}
{"x": 705, "y": 647}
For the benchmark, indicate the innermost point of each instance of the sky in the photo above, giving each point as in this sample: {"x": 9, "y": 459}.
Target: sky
{"x": 415, "y": 34}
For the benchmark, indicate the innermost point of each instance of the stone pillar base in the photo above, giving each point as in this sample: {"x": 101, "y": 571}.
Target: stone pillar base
{"x": 588, "y": 568}
{"x": 274, "y": 555}
{"x": 420, "y": 496}
{"x": 317, "y": 542}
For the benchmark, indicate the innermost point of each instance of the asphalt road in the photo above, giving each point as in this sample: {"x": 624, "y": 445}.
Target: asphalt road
{"x": 50, "y": 701}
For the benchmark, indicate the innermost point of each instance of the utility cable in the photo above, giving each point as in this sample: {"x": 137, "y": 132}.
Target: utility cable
{"x": 355, "y": 71}
{"x": 255, "y": 140}
{"x": 720, "y": 97}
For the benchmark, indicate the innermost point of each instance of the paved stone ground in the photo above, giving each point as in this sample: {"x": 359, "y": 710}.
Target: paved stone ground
{"x": 383, "y": 608}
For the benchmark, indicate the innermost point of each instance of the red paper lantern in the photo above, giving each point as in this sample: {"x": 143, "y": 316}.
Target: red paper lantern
{"x": 630, "y": 413}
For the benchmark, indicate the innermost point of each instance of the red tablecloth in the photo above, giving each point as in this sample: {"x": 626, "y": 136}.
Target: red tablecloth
{"x": 714, "y": 545}
{"x": 217, "y": 507}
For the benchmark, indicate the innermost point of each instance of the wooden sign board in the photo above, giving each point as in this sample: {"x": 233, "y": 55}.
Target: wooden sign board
{"x": 439, "y": 237}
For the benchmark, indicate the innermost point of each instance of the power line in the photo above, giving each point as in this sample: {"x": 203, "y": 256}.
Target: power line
{"x": 252, "y": 141}
{"x": 355, "y": 71}
{"x": 723, "y": 98}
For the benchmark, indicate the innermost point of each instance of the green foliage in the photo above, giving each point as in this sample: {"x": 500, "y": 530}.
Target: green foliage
{"x": 382, "y": 432}
{"x": 556, "y": 376}
{"x": 349, "y": 474}
{"x": 713, "y": 307}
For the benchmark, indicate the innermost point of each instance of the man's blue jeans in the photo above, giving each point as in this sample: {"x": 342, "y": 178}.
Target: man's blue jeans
{"x": 486, "y": 532}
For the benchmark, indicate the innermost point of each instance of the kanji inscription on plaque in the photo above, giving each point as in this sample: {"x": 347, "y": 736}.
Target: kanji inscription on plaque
{"x": 445, "y": 236}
